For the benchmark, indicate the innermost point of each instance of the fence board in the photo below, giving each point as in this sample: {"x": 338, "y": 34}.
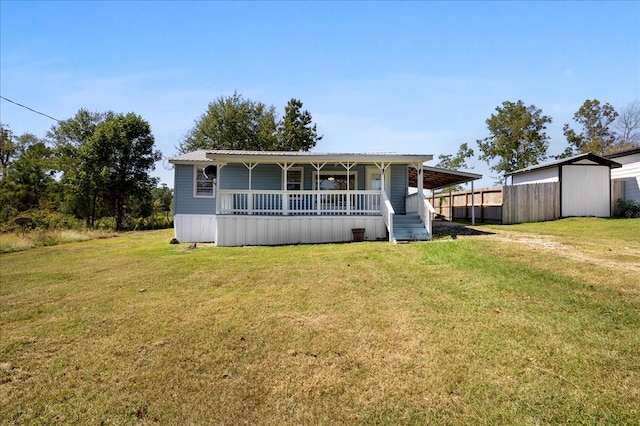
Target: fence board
{"x": 458, "y": 205}
{"x": 617, "y": 192}
{"x": 534, "y": 202}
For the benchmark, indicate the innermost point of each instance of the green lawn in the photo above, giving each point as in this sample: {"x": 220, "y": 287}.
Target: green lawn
{"x": 472, "y": 330}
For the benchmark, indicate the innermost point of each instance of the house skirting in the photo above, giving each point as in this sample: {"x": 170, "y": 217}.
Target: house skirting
{"x": 241, "y": 230}
{"x": 195, "y": 228}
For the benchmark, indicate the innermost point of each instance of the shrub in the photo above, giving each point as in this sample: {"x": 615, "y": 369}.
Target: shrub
{"x": 629, "y": 209}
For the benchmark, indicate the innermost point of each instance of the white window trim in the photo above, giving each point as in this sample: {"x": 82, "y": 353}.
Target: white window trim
{"x": 371, "y": 170}
{"x": 196, "y": 170}
{"x": 352, "y": 173}
{"x": 301, "y": 170}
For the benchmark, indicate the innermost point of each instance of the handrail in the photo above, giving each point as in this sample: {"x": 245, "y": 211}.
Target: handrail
{"x": 426, "y": 212}
{"x": 387, "y": 214}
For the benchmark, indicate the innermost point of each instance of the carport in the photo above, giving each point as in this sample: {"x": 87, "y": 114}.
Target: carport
{"x": 436, "y": 178}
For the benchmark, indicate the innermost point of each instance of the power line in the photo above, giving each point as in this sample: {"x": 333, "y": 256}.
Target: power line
{"x": 30, "y": 109}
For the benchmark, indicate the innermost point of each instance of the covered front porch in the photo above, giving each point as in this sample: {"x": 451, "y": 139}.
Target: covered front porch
{"x": 267, "y": 198}
{"x": 320, "y": 197}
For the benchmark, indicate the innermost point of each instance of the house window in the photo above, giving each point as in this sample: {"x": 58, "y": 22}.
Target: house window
{"x": 335, "y": 181}
{"x": 204, "y": 181}
{"x": 294, "y": 179}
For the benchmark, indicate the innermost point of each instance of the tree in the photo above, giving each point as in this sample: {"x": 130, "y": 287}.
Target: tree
{"x": 122, "y": 152}
{"x": 596, "y": 137}
{"x": 29, "y": 177}
{"x": 7, "y": 149}
{"x": 233, "y": 123}
{"x": 297, "y": 132}
{"x": 627, "y": 126}
{"x": 242, "y": 124}
{"x": 82, "y": 187}
{"x": 459, "y": 161}
{"x": 517, "y": 137}
{"x": 105, "y": 159}
{"x": 162, "y": 201}
{"x": 455, "y": 162}
{"x": 32, "y": 175}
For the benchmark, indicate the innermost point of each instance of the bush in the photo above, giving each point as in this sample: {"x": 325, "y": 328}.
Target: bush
{"x": 629, "y": 209}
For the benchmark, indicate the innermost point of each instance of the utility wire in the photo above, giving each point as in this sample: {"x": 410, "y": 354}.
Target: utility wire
{"x": 31, "y": 109}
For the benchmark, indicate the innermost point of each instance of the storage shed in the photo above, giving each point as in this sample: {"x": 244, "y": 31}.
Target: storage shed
{"x": 584, "y": 183}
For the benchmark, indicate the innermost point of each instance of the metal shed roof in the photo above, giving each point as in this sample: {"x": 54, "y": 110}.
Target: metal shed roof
{"x": 569, "y": 160}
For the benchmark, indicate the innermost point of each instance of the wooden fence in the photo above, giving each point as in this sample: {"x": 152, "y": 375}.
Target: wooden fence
{"x": 487, "y": 203}
{"x": 534, "y": 202}
{"x": 617, "y": 193}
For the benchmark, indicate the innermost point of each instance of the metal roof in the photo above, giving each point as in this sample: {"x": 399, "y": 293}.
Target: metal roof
{"x": 208, "y": 155}
{"x": 624, "y": 153}
{"x": 436, "y": 178}
{"x": 569, "y": 160}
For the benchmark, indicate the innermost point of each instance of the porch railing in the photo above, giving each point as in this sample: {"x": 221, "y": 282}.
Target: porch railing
{"x": 387, "y": 213}
{"x": 257, "y": 202}
{"x": 419, "y": 204}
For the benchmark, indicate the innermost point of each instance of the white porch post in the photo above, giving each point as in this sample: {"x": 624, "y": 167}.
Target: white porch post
{"x": 420, "y": 174}
{"x": 318, "y": 167}
{"x": 250, "y": 167}
{"x": 383, "y": 180}
{"x": 348, "y": 167}
{"x": 219, "y": 166}
{"x": 285, "y": 198}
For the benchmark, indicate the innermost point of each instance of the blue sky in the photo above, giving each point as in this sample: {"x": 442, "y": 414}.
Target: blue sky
{"x": 405, "y": 77}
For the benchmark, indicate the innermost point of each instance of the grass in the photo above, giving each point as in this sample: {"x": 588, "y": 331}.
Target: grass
{"x": 476, "y": 330}
{"x": 20, "y": 241}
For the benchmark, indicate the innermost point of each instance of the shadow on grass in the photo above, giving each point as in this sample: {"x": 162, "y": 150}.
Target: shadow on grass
{"x": 443, "y": 229}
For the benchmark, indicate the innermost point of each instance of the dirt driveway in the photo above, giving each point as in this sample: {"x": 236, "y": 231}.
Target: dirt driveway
{"x": 618, "y": 256}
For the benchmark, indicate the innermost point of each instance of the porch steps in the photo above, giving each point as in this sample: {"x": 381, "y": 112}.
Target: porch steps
{"x": 409, "y": 228}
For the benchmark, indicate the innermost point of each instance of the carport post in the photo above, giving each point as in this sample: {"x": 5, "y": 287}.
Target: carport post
{"x": 473, "y": 205}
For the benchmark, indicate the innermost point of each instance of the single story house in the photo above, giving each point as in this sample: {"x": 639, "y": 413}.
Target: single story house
{"x": 584, "y": 182}
{"x": 629, "y": 173}
{"x": 236, "y": 198}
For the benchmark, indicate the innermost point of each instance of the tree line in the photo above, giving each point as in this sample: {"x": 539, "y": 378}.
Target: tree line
{"x": 518, "y": 139}
{"x": 95, "y": 166}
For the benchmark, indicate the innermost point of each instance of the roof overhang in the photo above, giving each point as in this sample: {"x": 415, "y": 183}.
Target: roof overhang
{"x": 435, "y": 178}
{"x": 226, "y": 156}
{"x": 625, "y": 153}
{"x": 567, "y": 161}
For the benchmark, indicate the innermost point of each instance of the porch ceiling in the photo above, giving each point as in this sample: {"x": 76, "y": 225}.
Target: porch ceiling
{"x": 436, "y": 178}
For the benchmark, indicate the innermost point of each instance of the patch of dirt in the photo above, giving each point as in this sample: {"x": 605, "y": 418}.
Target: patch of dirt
{"x": 608, "y": 257}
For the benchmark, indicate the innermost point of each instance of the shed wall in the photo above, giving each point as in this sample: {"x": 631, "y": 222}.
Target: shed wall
{"x": 585, "y": 191}
{"x": 537, "y": 176}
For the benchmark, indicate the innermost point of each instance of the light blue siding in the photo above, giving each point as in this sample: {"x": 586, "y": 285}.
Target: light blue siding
{"x": 233, "y": 176}
{"x": 269, "y": 177}
{"x": 263, "y": 177}
{"x": 184, "y": 202}
{"x": 398, "y": 187}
